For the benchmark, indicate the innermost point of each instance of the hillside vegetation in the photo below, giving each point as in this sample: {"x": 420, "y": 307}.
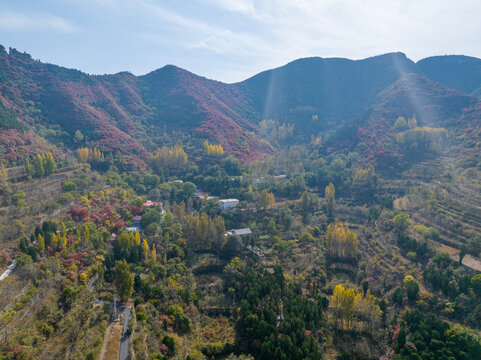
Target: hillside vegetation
{"x": 327, "y": 209}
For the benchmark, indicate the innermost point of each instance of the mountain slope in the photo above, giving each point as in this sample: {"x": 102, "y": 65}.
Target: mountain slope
{"x": 434, "y": 105}
{"x": 335, "y": 89}
{"x": 214, "y": 109}
{"x": 462, "y": 73}
{"x": 123, "y": 112}
{"x": 54, "y": 96}
{"x": 112, "y": 111}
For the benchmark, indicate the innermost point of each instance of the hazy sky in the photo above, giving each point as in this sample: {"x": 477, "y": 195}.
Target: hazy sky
{"x": 230, "y": 40}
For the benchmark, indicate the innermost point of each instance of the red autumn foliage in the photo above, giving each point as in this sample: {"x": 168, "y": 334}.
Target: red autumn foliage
{"x": 78, "y": 213}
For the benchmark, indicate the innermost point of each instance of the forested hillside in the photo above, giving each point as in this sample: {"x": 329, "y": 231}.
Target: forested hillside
{"x": 327, "y": 209}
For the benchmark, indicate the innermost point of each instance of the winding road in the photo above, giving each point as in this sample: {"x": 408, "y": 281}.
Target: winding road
{"x": 124, "y": 342}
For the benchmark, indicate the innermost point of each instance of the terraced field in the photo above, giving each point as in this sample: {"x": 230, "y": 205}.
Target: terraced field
{"x": 42, "y": 201}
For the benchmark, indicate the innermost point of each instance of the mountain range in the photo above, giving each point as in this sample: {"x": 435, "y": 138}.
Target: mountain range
{"x": 352, "y": 101}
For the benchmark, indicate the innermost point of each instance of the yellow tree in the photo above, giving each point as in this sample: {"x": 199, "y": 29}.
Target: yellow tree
{"x": 54, "y": 242}
{"x": 348, "y": 306}
{"x": 86, "y": 234}
{"x": 28, "y": 168}
{"x": 3, "y": 174}
{"x": 267, "y": 199}
{"x": 146, "y": 249}
{"x": 64, "y": 246}
{"x": 336, "y": 301}
{"x": 41, "y": 243}
{"x": 154, "y": 253}
{"x": 83, "y": 154}
{"x": 355, "y": 309}
{"x": 137, "y": 238}
{"x": 63, "y": 230}
{"x": 49, "y": 164}
{"x": 340, "y": 240}
{"x": 330, "y": 196}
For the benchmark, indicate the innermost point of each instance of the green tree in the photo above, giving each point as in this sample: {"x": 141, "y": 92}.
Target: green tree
{"x": 402, "y": 221}
{"x": 271, "y": 228}
{"x": 86, "y": 234}
{"x": 28, "y": 168}
{"x": 330, "y": 196}
{"x": 49, "y": 164}
{"x": 267, "y": 199}
{"x": 123, "y": 279}
{"x": 3, "y": 174}
{"x": 476, "y": 283}
{"x": 412, "y": 288}
{"x": 38, "y": 169}
{"x": 69, "y": 186}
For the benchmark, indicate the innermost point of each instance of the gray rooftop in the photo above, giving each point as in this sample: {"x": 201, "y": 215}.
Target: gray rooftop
{"x": 240, "y": 232}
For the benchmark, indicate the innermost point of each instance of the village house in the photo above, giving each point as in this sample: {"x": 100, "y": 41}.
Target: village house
{"x": 225, "y": 204}
{"x": 150, "y": 203}
{"x": 244, "y": 232}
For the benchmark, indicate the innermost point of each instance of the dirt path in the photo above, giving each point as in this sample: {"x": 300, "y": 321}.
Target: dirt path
{"x": 113, "y": 336}
{"x": 8, "y": 271}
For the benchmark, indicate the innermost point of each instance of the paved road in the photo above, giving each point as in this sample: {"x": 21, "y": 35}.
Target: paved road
{"x": 124, "y": 342}
{"x": 8, "y": 271}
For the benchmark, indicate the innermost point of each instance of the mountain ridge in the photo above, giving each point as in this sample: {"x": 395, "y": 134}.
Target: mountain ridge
{"x": 118, "y": 112}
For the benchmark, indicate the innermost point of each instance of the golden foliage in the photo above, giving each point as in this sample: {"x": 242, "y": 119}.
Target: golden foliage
{"x": 340, "y": 240}
{"x": 3, "y": 174}
{"x": 267, "y": 199}
{"x": 145, "y": 247}
{"x": 423, "y": 138}
{"x": 363, "y": 177}
{"x": 204, "y": 232}
{"x": 213, "y": 149}
{"x": 172, "y": 157}
{"x": 88, "y": 154}
{"x": 153, "y": 254}
{"x": 330, "y": 196}
{"x": 355, "y": 310}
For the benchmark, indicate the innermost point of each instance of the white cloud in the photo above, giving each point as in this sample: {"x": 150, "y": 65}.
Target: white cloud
{"x": 197, "y": 34}
{"x": 247, "y": 36}
{"x": 14, "y": 21}
{"x": 286, "y": 30}
{"x": 240, "y": 6}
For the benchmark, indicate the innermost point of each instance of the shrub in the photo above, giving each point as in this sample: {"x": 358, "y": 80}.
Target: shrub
{"x": 170, "y": 343}
{"x": 213, "y": 349}
{"x": 69, "y": 186}
{"x": 141, "y": 315}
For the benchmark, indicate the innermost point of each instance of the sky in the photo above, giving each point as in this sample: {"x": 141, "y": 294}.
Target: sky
{"x": 231, "y": 40}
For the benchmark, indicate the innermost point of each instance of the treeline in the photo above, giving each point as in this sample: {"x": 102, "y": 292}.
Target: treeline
{"x": 426, "y": 336}
{"x": 171, "y": 157}
{"x": 42, "y": 165}
{"x": 211, "y": 149}
{"x": 355, "y": 310}
{"x": 203, "y": 232}
{"x": 274, "y": 320}
{"x": 341, "y": 242}
{"x": 421, "y": 139}
{"x": 88, "y": 154}
{"x": 274, "y": 131}
{"x": 131, "y": 247}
